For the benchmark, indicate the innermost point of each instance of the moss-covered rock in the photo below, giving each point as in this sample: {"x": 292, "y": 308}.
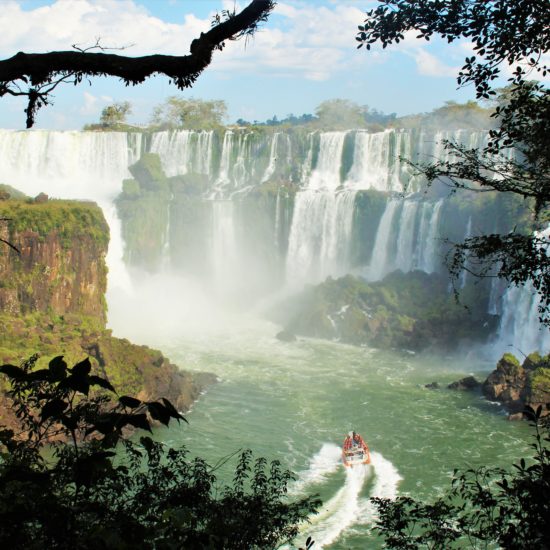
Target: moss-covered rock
{"x": 518, "y": 385}
{"x": 412, "y": 310}
{"x": 60, "y": 266}
{"x": 149, "y": 173}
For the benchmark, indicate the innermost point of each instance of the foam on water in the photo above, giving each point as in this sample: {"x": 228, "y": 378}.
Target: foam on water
{"x": 325, "y": 462}
{"x": 347, "y": 507}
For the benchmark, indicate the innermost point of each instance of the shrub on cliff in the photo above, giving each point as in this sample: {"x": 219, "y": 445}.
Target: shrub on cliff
{"x": 63, "y": 485}
{"x": 484, "y": 508}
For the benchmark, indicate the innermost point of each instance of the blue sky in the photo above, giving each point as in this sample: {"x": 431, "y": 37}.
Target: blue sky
{"x": 306, "y": 53}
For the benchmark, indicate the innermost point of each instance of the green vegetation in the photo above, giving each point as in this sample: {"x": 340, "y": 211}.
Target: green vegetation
{"x": 9, "y": 192}
{"x": 191, "y": 114}
{"x": 412, "y": 310}
{"x": 96, "y": 488}
{"x": 115, "y": 114}
{"x": 68, "y": 220}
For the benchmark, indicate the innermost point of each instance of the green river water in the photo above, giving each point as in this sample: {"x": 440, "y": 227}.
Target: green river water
{"x": 296, "y": 401}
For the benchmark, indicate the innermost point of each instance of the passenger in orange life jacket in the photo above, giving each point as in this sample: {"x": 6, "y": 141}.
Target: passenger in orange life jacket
{"x": 356, "y": 439}
{"x": 348, "y": 441}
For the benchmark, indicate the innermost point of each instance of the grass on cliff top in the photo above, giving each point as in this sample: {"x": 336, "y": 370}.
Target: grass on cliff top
{"x": 68, "y": 219}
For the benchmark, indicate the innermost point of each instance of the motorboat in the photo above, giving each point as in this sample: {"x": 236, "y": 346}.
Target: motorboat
{"x": 355, "y": 451}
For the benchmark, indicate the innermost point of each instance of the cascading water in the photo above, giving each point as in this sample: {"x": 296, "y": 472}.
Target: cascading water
{"x": 407, "y": 238}
{"x": 519, "y": 325}
{"x": 309, "y": 231}
{"x": 319, "y": 236}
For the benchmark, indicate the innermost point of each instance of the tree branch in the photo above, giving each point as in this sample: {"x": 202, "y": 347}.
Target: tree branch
{"x": 42, "y": 68}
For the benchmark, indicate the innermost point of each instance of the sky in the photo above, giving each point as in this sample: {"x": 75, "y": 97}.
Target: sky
{"x": 304, "y": 54}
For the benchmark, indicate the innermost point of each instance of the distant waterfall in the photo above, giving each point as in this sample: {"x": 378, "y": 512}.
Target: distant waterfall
{"x": 80, "y": 165}
{"x": 74, "y": 165}
{"x": 270, "y": 170}
{"x": 223, "y": 252}
{"x": 320, "y": 236}
{"x": 373, "y": 161}
{"x": 427, "y": 242}
{"x": 378, "y": 265}
{"x": 519, "y": 326}
{"x": 326, "y": 174}
{"x": 183, "y": 151}
{"x": 406, "y": 238}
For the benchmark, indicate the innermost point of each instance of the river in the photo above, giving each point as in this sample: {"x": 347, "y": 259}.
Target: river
{"x": 296, "y": 401}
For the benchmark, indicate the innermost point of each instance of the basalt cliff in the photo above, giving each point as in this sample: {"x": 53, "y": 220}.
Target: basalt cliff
{"x": 53, "y": 280}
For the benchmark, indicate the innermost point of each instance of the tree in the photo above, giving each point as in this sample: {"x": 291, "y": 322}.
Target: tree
{"x": 35, "y": 76}
{"x": 115, "y": 114}
{"x": 193, "y": 114}
{"x": 340, "y": 114}
{"x": 487, "y": 507}
{"x": 504, "y": 33}
{"x": 86, "y": 495}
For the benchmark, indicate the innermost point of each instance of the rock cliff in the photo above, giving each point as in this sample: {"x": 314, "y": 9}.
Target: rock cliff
{"x": 60, "y": 267}
{"x": 52, "y": 299}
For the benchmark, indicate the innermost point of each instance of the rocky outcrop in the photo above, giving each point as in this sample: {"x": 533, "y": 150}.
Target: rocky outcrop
{"x": 518, "y": 385}
{"x": 406, "y": 310}
{"x": 468, "y": 383}
{"x": 52, "y": 301}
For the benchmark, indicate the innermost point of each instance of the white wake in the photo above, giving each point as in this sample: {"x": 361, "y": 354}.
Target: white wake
{"x": 349, "y": 507}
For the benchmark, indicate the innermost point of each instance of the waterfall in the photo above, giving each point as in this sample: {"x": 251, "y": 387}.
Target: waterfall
{"x": 223, "y": 253}
{"x": 326, "y": 174}
{"x": 319, "y": 236}
{"x": 74, "y": 165}
{"x": 304, "y": 237}
{"x": 79, "y": 165}
{"x": 270, "y": 170}
{"x": 405, "y": 237}
{"x": 426, "y": 256}
{"x": 183, "y": 151}
{"x": 467, "y": 235}
{"x": 373, "y": 162}
{"x": 519, "y": 324}
{"x": 377, "y": 268}
{"x": 520, "y": 328}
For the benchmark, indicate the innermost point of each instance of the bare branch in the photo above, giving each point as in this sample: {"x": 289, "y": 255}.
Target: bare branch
{"x": 44, "y": 68}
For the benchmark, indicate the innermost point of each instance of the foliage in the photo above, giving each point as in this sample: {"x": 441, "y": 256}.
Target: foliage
{"x": 516, "y": 159}
{"x": 115, "y": 114}
{"x": 72, "y": 478}
{"x": 68, "y": 219}
{"x": 483, "y": 507}
{"x": 192, "y": 114}
{"x": 340, "y": 114}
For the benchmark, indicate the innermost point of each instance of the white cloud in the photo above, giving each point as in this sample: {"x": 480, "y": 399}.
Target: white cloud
{"x": 430, "y": 65}
{"x": 300, "y": 40}
{"x": 116, "y": 22}
{"x": 90, "y": 106}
